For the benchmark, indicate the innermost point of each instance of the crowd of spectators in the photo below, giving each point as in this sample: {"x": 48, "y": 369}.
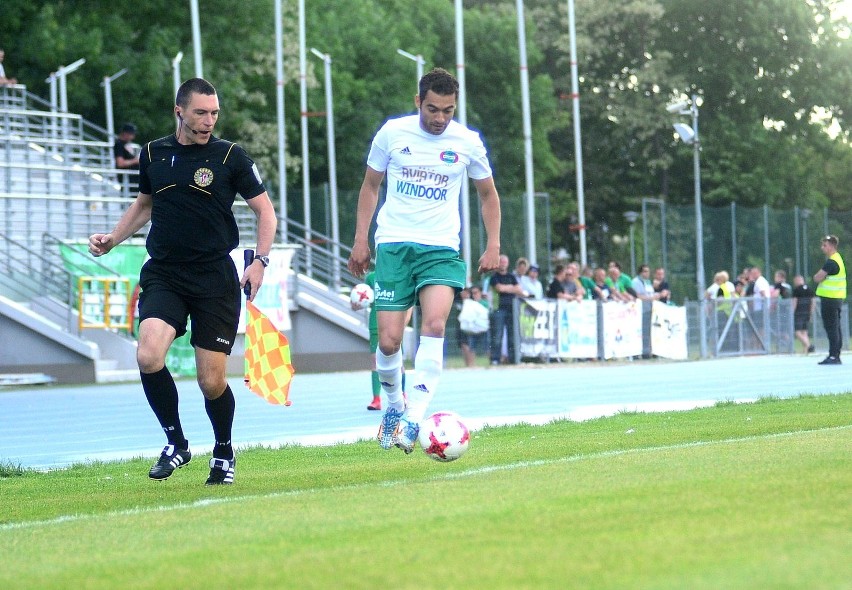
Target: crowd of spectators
{"x": 569, "y": 282}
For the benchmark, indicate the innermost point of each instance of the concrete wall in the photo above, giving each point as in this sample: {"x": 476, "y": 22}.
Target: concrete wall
{"x": 24, "y": 350}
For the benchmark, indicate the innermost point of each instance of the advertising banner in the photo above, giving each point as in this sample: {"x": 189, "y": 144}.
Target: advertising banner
{"x": 537, "y": 328}
{"x": 577, "y": 323}
{"x": 668, "y": 331}
{"x": 622, "y": 329}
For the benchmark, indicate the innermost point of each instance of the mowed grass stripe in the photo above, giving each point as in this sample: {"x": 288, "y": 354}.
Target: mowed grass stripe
{"x": 758, "y": 511}
{"x": 365, "y": 487}
{"x": 734, "y": 496}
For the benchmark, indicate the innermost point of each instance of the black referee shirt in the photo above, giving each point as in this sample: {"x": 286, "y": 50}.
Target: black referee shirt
{"x": 193, "y": 188}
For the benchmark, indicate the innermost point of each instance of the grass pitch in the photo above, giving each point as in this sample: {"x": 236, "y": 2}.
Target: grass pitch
{"x": 735, "y": 496}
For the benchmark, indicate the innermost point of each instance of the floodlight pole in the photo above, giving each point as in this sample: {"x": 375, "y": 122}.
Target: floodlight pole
{"x": 332, "y": 169}
{"x": 680, "y": 109}
{"x": 418, "y": 59}
{"x": 462, "y": 113}
{"x": 196, "y": 37}
{"x": 176, "y": 71}
{"x": 699, "y": 224}
{"x": 578, "y": 143}
{"x": 279, "y": 110}
{"x": 527, "y": 129}
{"x": 631, "y": 217}
{"x": 303, "y": 109}
{"x": 110, "y": 120}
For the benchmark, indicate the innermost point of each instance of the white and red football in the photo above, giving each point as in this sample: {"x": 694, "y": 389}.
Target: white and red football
{"x": 361, "y": 295}
{"x": 444, "y": 437}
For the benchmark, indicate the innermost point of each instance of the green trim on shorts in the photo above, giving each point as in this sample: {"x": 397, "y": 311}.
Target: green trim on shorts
{"x": 403, "y": 268}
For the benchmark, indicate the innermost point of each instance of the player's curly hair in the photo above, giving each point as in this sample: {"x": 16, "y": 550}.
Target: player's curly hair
{"x": 439, "y": 81}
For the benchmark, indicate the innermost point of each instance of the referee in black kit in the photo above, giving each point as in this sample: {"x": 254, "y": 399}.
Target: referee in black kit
{"x": 188, "y": 182}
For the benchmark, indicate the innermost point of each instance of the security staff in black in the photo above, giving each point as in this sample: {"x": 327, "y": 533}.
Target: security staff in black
{"x": 831, "y": 290}
{"x": 187, "y": 186}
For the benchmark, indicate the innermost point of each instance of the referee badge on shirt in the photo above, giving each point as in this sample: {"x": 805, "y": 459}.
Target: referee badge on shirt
{"x": 203, "y": 177}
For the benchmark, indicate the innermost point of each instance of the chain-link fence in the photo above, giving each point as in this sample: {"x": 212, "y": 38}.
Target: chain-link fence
{"x": 661, "y": 236}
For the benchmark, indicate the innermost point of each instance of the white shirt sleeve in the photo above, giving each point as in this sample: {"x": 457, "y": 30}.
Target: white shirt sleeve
{"x": 379, "y": 155}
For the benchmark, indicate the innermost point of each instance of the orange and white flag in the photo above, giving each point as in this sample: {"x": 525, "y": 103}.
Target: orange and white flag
{"x": 268, "y": 368}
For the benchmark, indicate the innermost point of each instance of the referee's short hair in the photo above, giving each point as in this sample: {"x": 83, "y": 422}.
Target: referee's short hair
{"x": 193, "y": 86}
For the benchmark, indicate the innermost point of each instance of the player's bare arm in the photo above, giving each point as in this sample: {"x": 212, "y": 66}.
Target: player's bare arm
{"x": 136, "y": 216}
{"x": 491, "y": 218}
{"x": 368, "y": 198}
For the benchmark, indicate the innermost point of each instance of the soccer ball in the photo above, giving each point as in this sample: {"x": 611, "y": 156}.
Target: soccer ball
{"x": 361, "y": 295}
{"x": 444, "y": 437}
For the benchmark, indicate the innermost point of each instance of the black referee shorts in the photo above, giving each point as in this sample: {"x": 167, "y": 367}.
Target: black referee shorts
{"x": 207, "y": 293}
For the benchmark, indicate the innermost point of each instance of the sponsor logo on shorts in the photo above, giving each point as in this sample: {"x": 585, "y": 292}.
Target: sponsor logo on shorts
{"x": 222, "y": 340}
{"x": 203, "y": 177}
{"x": 384, "y": 294}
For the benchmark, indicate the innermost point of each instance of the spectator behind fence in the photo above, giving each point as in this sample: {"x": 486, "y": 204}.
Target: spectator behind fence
{"x": 759, "y": 288}
{"x": 504, "y": 288}
{"x": 572, "y": 284}
{"x": 601, "y": 290}
{"x": 531, "y": 285}
{"x": 661, "y": 285}
{"x": 722, "y": 290}
{"x": 521, "y": 267}
{"x": 643, "y": 285}
{"x": 722, "y": 287}
{"x": 781, "y": 288}
{"x": 743, "y": 284}
{"x": 473, "y": 324}
{"x": 587, "y": 281}
{"x": 4, "y": 80}
{"x": 556, "y": 289}
{"x": 620, "y": 285}
{"x": 126, "y": 154}
{"x": 803, "y": 306}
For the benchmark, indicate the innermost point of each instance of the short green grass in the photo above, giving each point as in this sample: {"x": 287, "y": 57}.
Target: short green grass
{"x": 734, "y": 496}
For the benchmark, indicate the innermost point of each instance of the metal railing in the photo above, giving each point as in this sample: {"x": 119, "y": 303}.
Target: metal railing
{"x": 26, "y": 274}
{"x": 17, "y": 97}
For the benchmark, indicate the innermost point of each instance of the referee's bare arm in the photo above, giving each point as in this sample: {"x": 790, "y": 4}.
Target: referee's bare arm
{"x": 267, "y": 222}
{"x": 136, "y": 216}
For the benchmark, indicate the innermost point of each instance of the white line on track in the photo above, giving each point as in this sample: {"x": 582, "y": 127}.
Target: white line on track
{"x": 448, "y": 476}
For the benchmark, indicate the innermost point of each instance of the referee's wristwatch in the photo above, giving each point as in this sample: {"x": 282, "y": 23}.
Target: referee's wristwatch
{"x": 264, "y": 260}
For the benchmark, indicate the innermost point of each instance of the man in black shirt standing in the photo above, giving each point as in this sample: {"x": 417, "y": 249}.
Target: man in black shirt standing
{"x": 504, "y": 288}
{"x": 126, "y": 155}
{"x": 188, "y": 182}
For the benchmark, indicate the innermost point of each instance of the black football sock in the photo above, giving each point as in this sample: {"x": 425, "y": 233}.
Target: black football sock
{"x": 221, "y": 414}
{"x": 161, "y": 391}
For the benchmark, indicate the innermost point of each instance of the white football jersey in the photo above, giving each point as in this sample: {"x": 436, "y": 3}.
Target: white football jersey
{"x": 424, "y": 174}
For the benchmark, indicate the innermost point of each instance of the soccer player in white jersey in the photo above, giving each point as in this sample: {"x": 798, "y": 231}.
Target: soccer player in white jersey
{"x": 426, "y": 158}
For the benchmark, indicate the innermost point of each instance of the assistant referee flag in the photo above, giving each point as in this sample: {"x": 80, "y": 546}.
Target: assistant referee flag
{"x": 268, "y": 368}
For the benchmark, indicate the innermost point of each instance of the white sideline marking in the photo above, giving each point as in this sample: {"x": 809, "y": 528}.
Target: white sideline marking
{"x": 458, "y": 475}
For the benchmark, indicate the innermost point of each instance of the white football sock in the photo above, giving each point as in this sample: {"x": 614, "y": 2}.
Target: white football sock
{"x": 389, "y": 369}
{"x": 428, "y": 365}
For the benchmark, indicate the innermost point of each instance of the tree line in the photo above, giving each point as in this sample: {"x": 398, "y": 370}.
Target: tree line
{"x": 774, "y": 78}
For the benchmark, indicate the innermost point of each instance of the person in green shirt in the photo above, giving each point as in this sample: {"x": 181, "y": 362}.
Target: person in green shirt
{"x": 620, "y": 285}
